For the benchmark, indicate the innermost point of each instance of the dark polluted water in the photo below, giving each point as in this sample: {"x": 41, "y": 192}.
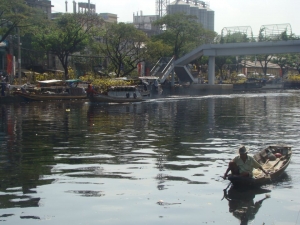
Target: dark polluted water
{"x": 156, "y": 162}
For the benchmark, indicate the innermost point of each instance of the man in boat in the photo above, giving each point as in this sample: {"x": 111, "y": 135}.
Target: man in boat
{"x": 90, "y": 91}
{"x": 243, "y": 164}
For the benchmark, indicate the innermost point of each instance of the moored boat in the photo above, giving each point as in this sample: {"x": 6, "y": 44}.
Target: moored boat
{"x": 118, "y": 94}
{"x": 149, "y": 86}
{"x": 53, "y": 90}
{"x": 274, "y": 159}
{"x": 48, "y": 96}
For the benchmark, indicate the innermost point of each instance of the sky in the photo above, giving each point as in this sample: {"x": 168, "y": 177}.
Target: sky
{"x": 228, "y": 13}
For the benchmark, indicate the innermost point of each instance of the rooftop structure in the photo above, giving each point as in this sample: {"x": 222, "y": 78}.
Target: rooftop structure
{"x": 144, "y": 23}
{"x": 83, "y": 7}
{"x": 197, "y": 8}
{"x": 244, "y": 31}
{"x": 109, "y": 17}
{"x": 44, "y": 5}
{"x": 275, "y": 31}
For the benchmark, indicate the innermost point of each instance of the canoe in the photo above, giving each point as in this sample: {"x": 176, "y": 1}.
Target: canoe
{"x": 274, "y": 165}
{"x": 118, "y": 94}
{"x": 48, "y": 97}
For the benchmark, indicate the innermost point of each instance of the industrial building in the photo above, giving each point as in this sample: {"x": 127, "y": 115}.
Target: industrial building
{"x": 199, "y": 9}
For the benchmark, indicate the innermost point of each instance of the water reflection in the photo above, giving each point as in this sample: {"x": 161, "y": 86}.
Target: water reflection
{"x": 241, "y": 203}
{"x": 132, "y": 155}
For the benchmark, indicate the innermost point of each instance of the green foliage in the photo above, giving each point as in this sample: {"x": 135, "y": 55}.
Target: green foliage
{"x": 182, "y": 32}
{"x": 237, "y": 37}
{"x": 124, "y": 45}
{"x": 264, "y": 35}
{"x": 13, "y": 14}
{"x": 156, "y": 50}
{"x": 102, "y": 85}
{"x": 67, "y": 34}
{"x": 294, "y": 61}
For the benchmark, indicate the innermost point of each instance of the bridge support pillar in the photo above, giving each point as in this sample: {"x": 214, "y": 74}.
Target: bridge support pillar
{"x": 211, "y": 70}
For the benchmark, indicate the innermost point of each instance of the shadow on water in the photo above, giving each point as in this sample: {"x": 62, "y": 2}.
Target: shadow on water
{"x": 241, "y": 199}
{"x": 241, "y": 202}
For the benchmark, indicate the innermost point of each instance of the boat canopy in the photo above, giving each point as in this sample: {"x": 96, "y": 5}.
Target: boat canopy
{"x": 50, "y": 81}
{"x": 149, "y": 78}
{"x": 73, "y": 81}
{"x": 122, "y": 88}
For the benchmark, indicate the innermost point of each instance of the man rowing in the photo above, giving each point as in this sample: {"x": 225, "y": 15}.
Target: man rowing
{"x": 243, "y": 164}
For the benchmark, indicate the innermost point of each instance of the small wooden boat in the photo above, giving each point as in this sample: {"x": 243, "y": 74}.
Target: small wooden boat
{"x": 118, "y": 94}
{"x": 53, "y": 90}
{"x": 273, "y": 159}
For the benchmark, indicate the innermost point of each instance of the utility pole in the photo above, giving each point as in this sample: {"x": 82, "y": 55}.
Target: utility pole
{"x": 19, "y": 56}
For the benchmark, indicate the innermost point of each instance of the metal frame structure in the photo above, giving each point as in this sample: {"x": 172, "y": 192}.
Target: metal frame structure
{"x": 198, "y": 2}
{"x": 161, "y": 8}
{"x": 274, "y": 31}
{"x": 247, "y": 30}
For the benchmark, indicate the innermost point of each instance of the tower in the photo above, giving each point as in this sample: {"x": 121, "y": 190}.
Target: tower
{"x": 161, "y": 7}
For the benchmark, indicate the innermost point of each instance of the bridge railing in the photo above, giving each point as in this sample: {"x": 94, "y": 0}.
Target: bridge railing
{"x": 257, "y": 39}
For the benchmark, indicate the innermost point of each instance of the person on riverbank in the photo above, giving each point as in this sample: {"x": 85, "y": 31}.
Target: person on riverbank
{"x": 8, "y": 88}
{"x": 243, "y": 164}
{"x": 3, "y": 85}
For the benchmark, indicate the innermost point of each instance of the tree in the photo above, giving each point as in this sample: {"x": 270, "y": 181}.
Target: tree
{"x": 235, "y": 38}
{"x": 182, "y": 32}
{"x": 125, "y": 46}
{"x": 226, "y": 62}
{"x": 14, "y": 14}
{"x": 294, "y": 62}
{"x": 67, "y": 34}
{"x": 157, "y": 50}
{"x": 263, "y": 61}
{"x": 231, "y": 62}
{"x": 282, "y": 61}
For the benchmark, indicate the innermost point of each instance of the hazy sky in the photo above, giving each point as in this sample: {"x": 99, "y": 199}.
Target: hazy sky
{"x": 228, "y": 13}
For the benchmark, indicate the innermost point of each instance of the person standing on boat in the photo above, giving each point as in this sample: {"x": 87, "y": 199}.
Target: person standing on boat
{"x": 243, "y": 164}
{"x": 90, "y": 91}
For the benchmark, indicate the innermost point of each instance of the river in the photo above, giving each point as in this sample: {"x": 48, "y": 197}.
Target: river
{"x": 155, "y": 162}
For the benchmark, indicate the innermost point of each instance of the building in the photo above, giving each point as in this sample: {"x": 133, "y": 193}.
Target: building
{"x": 44, "y": 5}
{"x": 109, "y": 17}
{"x": 144, "y": 23}
{"x": 200, "y": 9}
{"x": 197, "y": 8}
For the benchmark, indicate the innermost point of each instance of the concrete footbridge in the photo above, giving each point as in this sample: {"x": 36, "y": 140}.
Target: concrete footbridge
{"x": 228, "y": 49}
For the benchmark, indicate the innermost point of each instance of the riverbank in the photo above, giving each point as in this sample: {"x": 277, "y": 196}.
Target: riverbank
{"x": 194, "y": 89}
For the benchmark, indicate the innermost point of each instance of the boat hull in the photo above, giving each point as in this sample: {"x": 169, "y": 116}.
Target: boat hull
{"x": 111, "y": 99}
{"x": 275, "y": 168}
{"x": 118, "y": 94}
{"x": 50, "y": 97}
